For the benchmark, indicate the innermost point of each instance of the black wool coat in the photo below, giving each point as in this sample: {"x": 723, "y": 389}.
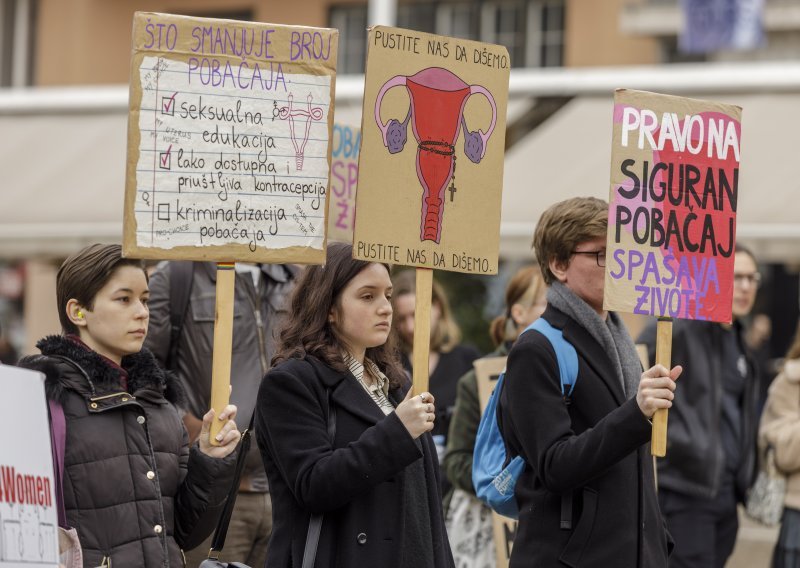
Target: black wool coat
{"x": 356, "y": 482}
{"x": 596, "y": 449}
{"x": 133, "y": 489}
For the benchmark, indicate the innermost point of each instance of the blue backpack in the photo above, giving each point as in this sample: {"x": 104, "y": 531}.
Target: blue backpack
{"x": 494, "y": 472}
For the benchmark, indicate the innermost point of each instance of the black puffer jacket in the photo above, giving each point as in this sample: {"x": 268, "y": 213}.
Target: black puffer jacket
{"x": 132, "y": 488}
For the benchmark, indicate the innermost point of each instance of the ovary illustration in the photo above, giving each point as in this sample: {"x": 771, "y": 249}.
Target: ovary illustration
{"x": 437, "y": 98}
{"x": 300, "y": 120}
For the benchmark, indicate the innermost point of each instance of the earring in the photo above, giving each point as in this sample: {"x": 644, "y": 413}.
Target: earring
{"x": 80, "y": 314}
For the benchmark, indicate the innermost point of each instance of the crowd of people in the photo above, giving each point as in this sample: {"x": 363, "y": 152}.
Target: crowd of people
{"x": 351, "y": 468}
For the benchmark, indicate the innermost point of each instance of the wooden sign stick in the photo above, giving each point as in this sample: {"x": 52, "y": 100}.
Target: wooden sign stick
{"x": 223, "y": 344}
{"x": 422, "y": 329}
{"x": 658, "y": 442}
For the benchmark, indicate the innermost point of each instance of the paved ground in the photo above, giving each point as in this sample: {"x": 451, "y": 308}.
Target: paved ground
{"x": 753, "y": 545}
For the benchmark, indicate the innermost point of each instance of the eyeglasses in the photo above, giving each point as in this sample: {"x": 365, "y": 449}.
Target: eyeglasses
{"x": 753, "y": 279}
{"x": 599, "y": 255}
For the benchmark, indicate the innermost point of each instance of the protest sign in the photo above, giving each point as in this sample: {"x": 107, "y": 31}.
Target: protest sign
{"x": 433, "y": 202}
{"x": 228, "y": 151}
{"x": 228, "y": 140}
{"x": 673, "y": 200}
{"x": 431, "y": 198}
{"x": 487, "y": 371}
{"x": 345, "y": 147}
{"x": 672, "y": 216}
{"x": 28, "y": 510}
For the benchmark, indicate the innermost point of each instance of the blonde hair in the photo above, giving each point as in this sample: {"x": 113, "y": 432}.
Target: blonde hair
{"x": 523, "y": 288}
{"x": 446, "y": 335}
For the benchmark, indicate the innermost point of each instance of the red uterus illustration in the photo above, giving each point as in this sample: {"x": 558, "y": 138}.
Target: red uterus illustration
{"x": 436, "y": 107}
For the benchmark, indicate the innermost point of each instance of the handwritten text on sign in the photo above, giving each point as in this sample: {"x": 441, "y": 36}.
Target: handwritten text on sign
{"x": 674, "y": 195}
{"x": 233, "y": 123}
{"x": 345, "y": 146}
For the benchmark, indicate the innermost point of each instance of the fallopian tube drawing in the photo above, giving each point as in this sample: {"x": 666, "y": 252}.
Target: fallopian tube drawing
{"x": 437, "y": 99}
{"x": 311, "y": 114}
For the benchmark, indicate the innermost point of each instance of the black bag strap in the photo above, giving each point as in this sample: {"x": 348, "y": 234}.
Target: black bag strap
{"x": 222, "y": 526}
{"x": 181, "y": 275}
{"x": 315, "y": 523}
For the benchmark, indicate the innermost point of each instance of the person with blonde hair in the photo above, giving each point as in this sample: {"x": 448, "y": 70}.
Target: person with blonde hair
{"x": 448, "y": 359}
{"x": 525, "y": 301}
{"x": 780, "y": 430}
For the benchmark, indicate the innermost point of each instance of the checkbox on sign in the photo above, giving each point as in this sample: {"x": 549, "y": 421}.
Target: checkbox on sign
{"x": 165, "y": 159}
{"x": 163, "y": 211}
{"x": 168, "y": 105}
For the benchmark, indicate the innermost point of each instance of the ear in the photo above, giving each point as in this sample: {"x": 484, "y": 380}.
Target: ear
{"x": 559, "y": 269}
{"x": 332, "y": 316}
{"x": 76, "y": 313}
{"x": 516, "y": 313}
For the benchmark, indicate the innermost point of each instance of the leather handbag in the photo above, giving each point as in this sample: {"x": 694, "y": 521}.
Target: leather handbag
{"x": 314, "y": 524}
{"x": 765, "y": 499}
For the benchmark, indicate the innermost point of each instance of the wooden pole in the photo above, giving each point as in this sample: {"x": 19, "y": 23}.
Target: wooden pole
{"x": 422, "y": 329}
{"x": 223, "y": 344}
{"x": 658, "y": 443}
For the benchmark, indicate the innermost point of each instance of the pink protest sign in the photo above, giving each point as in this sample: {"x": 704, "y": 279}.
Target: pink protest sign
{"x": 673, "y": 199}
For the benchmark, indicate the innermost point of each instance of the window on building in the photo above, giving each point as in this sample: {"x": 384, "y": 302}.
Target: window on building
{"x": 545, "y": 46}
{"x": 503, "y": 23}
{"x": 417, "y": 16}
{"x": 457, "y": 19}
{"x": 351, "y": 21}
{"x": 16, "y": 42}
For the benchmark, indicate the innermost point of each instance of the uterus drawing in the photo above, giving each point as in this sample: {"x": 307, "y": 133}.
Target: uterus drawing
{"x": 437, "y": 98}
{"x": 296, "y": 115}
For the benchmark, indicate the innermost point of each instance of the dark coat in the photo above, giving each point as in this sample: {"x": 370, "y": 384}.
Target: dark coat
{"x": 132, "y": 488}
{"x": 595, "y": 448}
{"x": 695, "y": 457}
{"x": 357, "y": 483}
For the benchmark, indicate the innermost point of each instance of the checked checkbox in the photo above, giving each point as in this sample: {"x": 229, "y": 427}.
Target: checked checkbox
{"x": 165, "y": 159}
{"x": 168, "y": 105}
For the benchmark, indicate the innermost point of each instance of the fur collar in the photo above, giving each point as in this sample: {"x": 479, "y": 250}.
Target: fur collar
{"x": 143, "y": 371}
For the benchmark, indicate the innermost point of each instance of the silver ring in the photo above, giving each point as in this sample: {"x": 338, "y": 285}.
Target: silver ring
{"x": 422, "y": 397}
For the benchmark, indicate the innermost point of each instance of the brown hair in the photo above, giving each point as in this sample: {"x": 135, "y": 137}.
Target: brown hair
{"x": 564, "y": 226}
{"x": 447, "y": 334}
{"x": 82, "y": 276}
{"x": 794, "y": 350}
{"x": 523, "y": 288}
{"x": 307, "y": 330}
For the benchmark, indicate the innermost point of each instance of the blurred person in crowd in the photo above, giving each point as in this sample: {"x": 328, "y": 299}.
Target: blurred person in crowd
{"x": 182, "y": 314}
{"x": 587, "y": 494}
{"x": 711, "y": 437}
{"x": 757, "y": 337}
{"x": 448, "y": 358}
{"x": 525, "y": 301}
{"x": 780, "y": 429}
{"x": 8, "y": 355}
{"x": 134, "y": 488}
{"x": 341, "y": 434}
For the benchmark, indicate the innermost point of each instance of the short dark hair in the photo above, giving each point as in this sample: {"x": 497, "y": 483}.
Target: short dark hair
{"x": 82, "y": 276}
{"x": 307, "y": 331}
{"x": 564, "y": 226}
{"x": 745, "y": 250}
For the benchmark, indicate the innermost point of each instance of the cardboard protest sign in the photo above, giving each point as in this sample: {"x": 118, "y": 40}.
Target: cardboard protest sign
{"x": 487, "y": 371}
{"x": 431, "y": 197}
{"x": 673, "y": 199}
{"x": 228, "y": 140}
{"x": 28, "y": 510}
{"x": 345, "y": 147}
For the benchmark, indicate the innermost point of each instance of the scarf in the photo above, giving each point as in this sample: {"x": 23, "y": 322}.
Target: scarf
{"x": 611, "y": 335}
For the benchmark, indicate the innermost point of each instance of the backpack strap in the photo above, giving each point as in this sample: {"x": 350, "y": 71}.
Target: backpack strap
{"x": 58, "y": 437}
{"x": 181, "y": 275}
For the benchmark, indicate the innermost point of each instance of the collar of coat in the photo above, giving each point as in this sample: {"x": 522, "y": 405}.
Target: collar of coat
{"x": 92, "y": 375}
{"x": 347, "y": 393}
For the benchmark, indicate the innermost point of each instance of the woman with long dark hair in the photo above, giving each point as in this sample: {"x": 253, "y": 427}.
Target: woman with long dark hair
{"x": 341, "y": 435}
